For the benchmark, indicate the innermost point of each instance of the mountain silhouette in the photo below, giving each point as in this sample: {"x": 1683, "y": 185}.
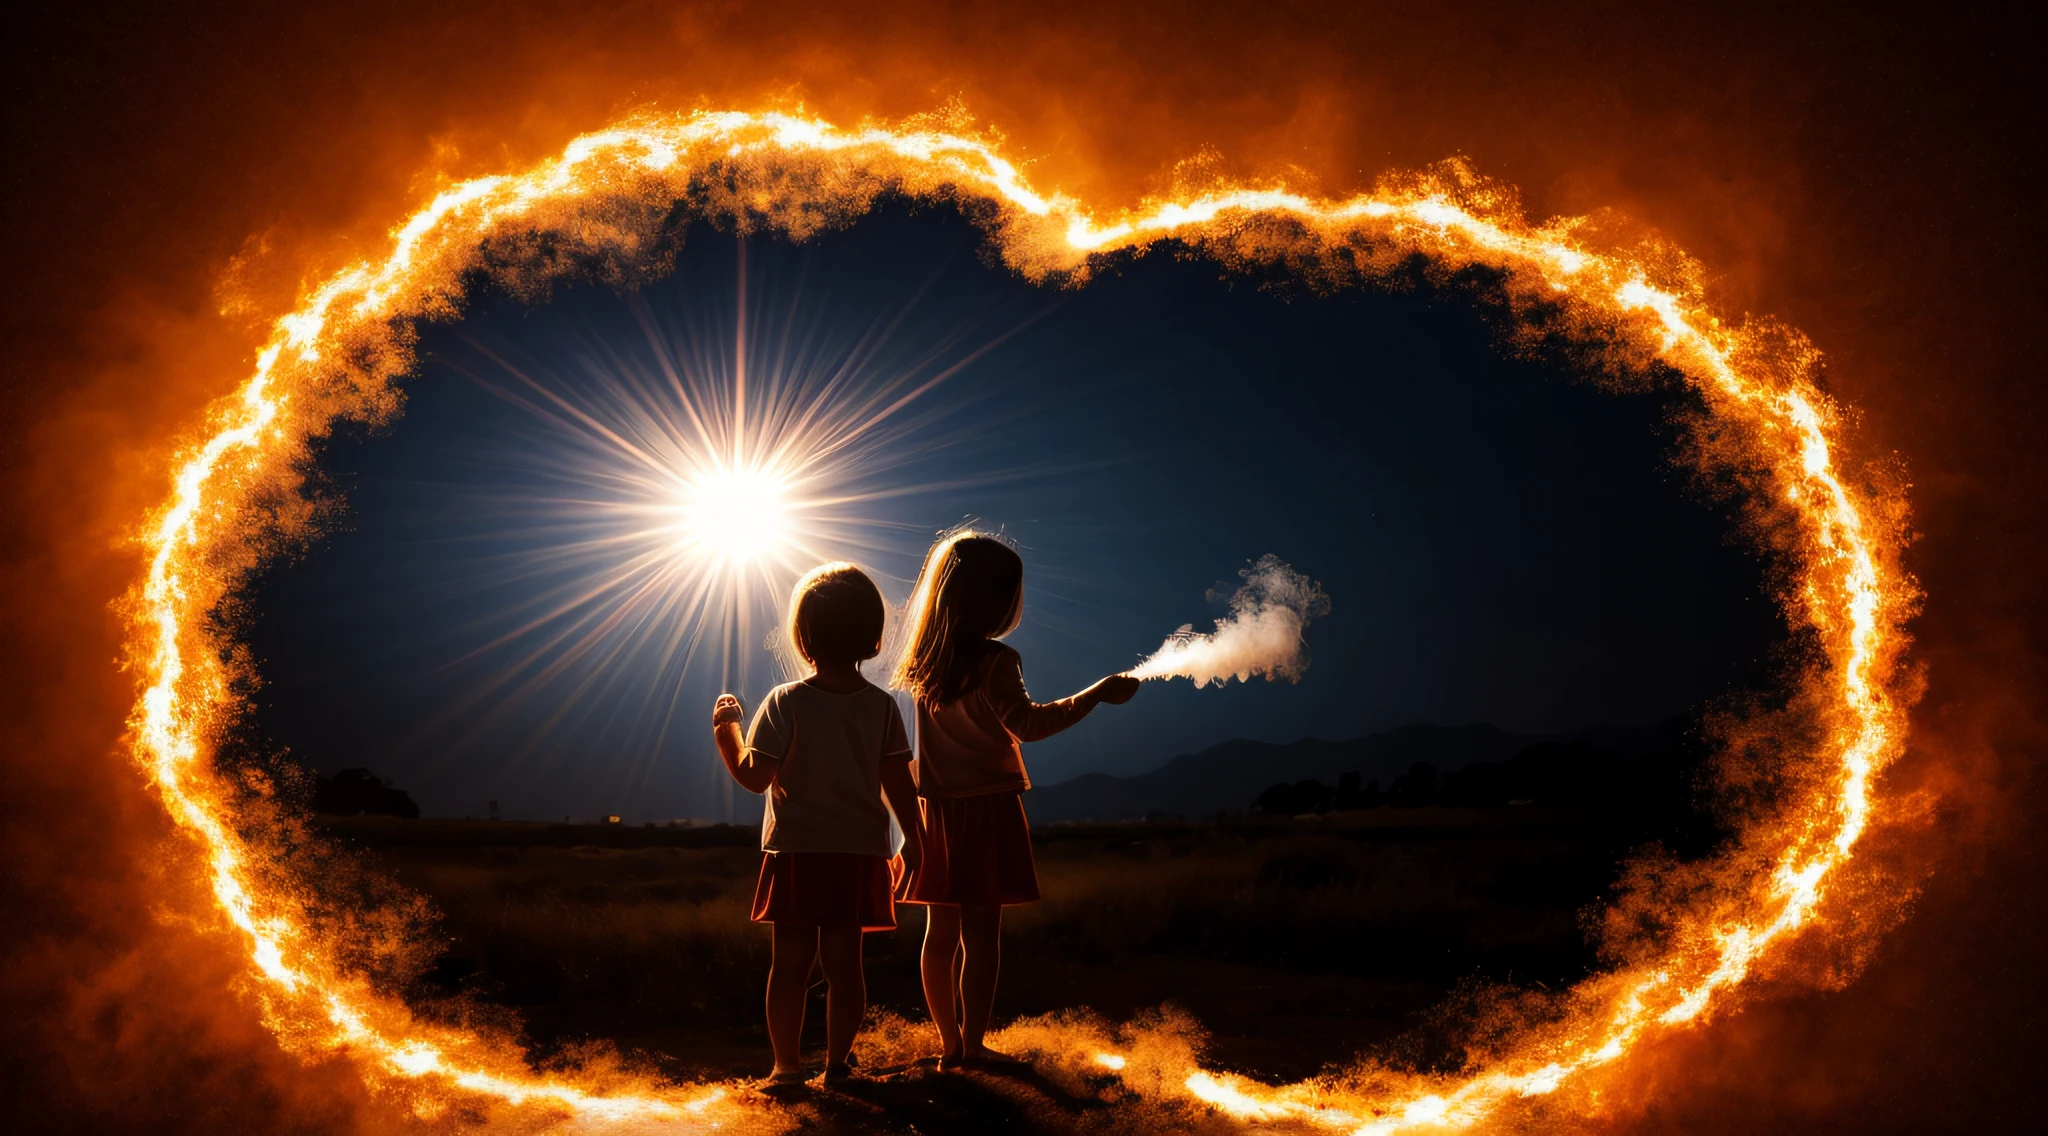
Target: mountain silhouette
{"x": 1231, "y": 775}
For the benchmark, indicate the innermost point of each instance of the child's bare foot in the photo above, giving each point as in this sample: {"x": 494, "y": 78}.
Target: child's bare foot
{"x": 838, "y": 1074}
{"x": 951, "y": 1062}
{"x": 782, "y": 1080}
{"x": 982, "y": 1057}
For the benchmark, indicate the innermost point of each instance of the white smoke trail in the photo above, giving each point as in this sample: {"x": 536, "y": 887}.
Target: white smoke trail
{"x": 1262, "y": 635}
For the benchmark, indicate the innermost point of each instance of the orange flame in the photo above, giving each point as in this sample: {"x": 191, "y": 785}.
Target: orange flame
{"x": 602, "y": 203}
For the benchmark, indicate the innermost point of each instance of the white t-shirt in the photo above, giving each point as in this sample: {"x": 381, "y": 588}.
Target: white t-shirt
{"x": 827, "y": 793}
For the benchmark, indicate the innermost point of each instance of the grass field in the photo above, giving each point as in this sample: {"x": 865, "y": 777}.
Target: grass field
{"x": 1294, "y": 942}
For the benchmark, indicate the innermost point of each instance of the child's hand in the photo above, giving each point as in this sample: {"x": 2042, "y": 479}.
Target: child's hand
{"x": 726, "y": 709}
{"x": 1117, "y": 689}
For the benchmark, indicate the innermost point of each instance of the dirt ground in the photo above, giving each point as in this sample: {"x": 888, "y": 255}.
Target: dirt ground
{"x": 1295, "y": 944}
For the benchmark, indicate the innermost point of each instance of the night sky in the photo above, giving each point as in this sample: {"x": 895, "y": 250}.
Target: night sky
{"x": 1502, "y": 542}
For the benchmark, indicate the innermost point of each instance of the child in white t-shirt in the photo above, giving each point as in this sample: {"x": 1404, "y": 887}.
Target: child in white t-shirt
{"x": 827, "y": 751}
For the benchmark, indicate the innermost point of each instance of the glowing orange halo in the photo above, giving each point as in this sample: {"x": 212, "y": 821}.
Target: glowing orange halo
{"x": 605, "y": 199}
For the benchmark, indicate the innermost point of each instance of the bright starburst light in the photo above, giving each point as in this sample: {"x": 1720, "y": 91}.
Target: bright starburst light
{"x": 633, "y": 527}
{"x": 734, "y": 517}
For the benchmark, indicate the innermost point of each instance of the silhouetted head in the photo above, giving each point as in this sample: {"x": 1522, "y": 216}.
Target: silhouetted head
{"x": 971, "y": 591}
{"x": 835, "y": 615}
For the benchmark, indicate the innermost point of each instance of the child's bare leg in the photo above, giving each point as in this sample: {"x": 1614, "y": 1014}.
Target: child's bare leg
{"x": 789, "y": 978}
{"x": 981, "y": 936}
{"x": 935, "y": 965}
{"x": 846, "y": 993}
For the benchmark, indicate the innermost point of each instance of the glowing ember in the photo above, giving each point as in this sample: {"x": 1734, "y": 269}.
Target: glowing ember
{"x": 606, "y": 199}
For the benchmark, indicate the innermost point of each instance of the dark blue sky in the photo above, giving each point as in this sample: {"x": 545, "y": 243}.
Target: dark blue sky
{"x": 1500, "y": 542}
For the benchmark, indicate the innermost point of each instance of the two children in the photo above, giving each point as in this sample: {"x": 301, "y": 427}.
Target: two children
{"x": 828, "y": 751}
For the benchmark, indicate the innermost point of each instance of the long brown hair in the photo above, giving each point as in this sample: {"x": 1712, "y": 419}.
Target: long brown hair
{"x": 971, "y": 591}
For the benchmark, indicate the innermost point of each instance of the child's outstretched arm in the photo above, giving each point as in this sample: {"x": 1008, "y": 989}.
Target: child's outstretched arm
{"x": 755, "y": 771}
{"x": 1029, "y": 720}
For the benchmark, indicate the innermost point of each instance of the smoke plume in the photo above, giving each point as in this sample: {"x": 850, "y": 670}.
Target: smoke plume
{"x": 1262, "y": 635}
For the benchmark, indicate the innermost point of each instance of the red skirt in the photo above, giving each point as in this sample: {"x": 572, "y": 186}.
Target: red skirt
{"x": 825, "y": 888}
{"x": 977, "y": 851}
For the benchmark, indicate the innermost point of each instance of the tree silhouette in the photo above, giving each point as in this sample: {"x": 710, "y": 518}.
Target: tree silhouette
{"x": 358, "y": 792}
{"x": 1414, "y": 788}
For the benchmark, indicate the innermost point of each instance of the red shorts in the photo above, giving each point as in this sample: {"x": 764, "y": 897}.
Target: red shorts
{"x": 977, "y": 850}
{"x": 824, "y": 888}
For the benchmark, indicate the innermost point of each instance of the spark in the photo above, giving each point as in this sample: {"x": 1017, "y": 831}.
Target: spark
{"x": 610, "y": 192}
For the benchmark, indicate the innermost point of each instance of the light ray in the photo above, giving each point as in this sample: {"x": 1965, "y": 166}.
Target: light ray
{"x": 643, "y": 516}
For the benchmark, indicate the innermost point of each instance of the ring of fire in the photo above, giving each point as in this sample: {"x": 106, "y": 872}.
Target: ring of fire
{"x": 598, "y": 210}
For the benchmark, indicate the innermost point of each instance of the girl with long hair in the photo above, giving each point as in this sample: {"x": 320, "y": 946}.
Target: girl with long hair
{"x": 973, "y": 714}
